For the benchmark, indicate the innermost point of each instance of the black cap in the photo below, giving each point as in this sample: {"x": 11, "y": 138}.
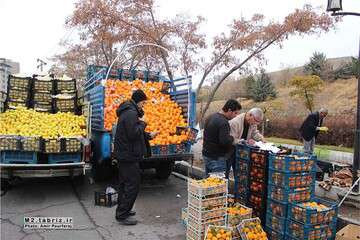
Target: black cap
{"x": 138, "y": 96}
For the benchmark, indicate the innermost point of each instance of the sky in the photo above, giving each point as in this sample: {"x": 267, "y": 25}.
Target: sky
{"x": 32, "y": 29}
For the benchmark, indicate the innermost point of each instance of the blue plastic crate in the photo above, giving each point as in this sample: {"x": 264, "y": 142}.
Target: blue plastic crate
{"x": 299, "y": 230}
{"x": 259, "y": 158}
{"x": 274, "y": 235}
{"x": 64, "y": 158}
{"x": 291, "y": 180}
{"x": 275, "y": 222}
{"x": 310, "y": 215}
{"x": 155, "y": 150}
{"x": 241, "y": 188}
{"x": 277, "y": 208}
{"x": 292, "y": 163}
{"x": 242, "y": 165}
{"x": 243, "y": 152}
{"x": 290, "y": 195}
{"x": 19, "y": 157}
{"x": 258, "y": 173}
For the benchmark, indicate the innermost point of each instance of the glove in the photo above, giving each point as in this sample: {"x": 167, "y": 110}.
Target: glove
{"x": 324, "y": 129}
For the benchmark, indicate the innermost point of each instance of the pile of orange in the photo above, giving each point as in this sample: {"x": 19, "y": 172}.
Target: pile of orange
{"x": 162, "y": 115}
{"x": 253, "y": 230}
{"x": 218, "y": 233}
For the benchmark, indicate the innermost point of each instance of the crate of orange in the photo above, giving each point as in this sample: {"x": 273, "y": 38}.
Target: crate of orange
{"x": 209, "y": 186}
{"x": 292, "y": 163}
{"x": 218, "y": 233}
{"x": 250, "y": 229}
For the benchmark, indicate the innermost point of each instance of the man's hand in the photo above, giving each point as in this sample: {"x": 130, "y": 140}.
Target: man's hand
{"x": 153, "y": 134}
{"x": 251, "y": 142}
{"x": 324, "y": 129}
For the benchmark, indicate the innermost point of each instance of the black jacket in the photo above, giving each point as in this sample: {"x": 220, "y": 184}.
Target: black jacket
{"x": 308, "y": 128}
{"x": 217, "y": 141}
{"x": 131, "y": 141}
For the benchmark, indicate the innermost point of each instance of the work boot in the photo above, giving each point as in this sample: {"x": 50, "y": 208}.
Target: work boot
{"x": 132, "y": 213}
{"x": 127, "y": 221}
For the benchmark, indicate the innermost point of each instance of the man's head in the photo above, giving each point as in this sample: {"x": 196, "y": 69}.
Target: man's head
{"x": 231, "y": 109}
{"x": 254, "y": 116}
{"x": 139, "y": 97}
{"x": 323, "y": 112}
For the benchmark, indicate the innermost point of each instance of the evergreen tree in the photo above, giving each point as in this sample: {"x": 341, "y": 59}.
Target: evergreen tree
{"x": 263, "y": 88}
{"x": 249, "y": 86}
{"x": 317, "y": 65}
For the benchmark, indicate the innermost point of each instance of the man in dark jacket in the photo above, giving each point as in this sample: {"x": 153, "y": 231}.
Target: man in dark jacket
{"x": 310, "y": 128}
{"x": 129, "y": 149}
{"x": 217, "y": 141}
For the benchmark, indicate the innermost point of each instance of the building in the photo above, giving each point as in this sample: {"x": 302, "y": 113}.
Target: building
{"x": 7, "y": 67}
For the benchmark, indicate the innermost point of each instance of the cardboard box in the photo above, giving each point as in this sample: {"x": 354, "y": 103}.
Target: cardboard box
{"x": 350, "y": 232}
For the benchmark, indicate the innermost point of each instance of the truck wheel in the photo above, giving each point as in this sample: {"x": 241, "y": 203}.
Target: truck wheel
{"x": 163, "y": 170}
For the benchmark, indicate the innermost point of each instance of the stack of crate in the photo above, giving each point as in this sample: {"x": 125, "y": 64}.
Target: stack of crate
{"x": 258, "y": 176}
{"x": 207, "y": 205}
{"x": 236, "y": 214}
{"x": 19, "y": 91}
{"x": 65, "y": 99}
{"x": 291, "y": 179}
{"x": 44, "y": 88}
{"x": 241, "y": 172}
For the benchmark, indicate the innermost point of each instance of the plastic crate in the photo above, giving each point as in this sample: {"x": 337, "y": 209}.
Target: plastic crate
{"x": 277, "y": 208}
{"x": 19, "y": 82}
{"x": 184, "y": 216}
{"x": 155, "y": 150}
{"x": 65, "y": 105}
{"x": 259, "y": 158}
{"x": 310, "y": 215}
{"x": 235, "y": 219}
{"x": 106, "y": 199}
{"x": 31, "y": 144}
{"x": 196, "y": 189}
{"x": 243, "y": 152}
{"x": 207, "y": 202}
{"x": 43, "y": 107}
{"x": 19, "y": 157}
{"x": 242, "y": 166}
{"x": 182, "y": 148}
{"x": 54, "y": 145}
{"x": 275, "y": 222}
{"x": 203, "y": 224}
{"x": 214, "y": 230}
{"x": 290, "y": 195}
{"x": 20, "y": 95}
{"x": 194, "y": 234}
{"x": 274, "y": 235}
{"x": 258, "y": 187}
{"x": 72, "y": 145}
{"x": 191, "y": 132}
{"x": 241, "y": 186}
{"x": 257, "y": 201}
{"x": 15, "y": 104}
{"x": 10, "y": 142}
{"x": 242, "y": 198}
{"x": 258, "y": 173}
{"x": 45, "y": 86}
{"x": 206, "y": 214}
{"x": 292, "y": 163}
{"x": 310, "y": 232}
{"x": 43, "y": 97}
{"x": 252, "y": 224}
{"x": 65, "y": 86}
{"x": 291, "y": 180}
{"x": 55, "y": 158}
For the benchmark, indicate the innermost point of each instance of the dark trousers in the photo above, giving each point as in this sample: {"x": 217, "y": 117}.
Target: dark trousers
{"x": 129, "y": 184}
{"x": 231, "y": 162}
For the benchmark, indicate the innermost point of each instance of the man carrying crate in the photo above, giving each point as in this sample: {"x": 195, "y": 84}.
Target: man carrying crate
{"x": 130, "y": 146}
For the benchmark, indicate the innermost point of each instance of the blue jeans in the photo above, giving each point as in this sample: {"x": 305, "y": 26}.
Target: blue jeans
{"x": 215, "y": 164}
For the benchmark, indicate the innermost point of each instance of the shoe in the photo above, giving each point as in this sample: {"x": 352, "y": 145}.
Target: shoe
{"x": 132, "y": 213}
{"x": 127, "y": 221}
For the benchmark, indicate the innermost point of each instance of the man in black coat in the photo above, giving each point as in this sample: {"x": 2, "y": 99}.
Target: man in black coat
{"x": 130, "y": 146}
{"x": 310, "y": 128}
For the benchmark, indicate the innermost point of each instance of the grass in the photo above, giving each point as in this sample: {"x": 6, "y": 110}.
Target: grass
{"x": 317, "y": 147}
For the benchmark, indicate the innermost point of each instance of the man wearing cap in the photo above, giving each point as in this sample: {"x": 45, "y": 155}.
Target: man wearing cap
{"x": 129, "y": 149}
{"x": 243, "y": 128}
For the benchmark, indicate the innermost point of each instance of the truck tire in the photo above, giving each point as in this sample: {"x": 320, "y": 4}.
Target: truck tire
{"x": 163, "y": 170}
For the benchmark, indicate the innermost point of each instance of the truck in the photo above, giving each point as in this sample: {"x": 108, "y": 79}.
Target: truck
{"x": 19, "y": 159}
{"x": 180, "y": 91}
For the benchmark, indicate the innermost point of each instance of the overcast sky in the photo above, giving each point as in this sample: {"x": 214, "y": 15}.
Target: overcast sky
{"x": 32, "y": 29}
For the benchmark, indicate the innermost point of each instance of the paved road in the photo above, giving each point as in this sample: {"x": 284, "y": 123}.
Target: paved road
{"x": 62, "y": 197}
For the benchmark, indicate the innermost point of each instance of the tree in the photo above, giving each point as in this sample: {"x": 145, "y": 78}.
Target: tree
{"x": 249, "y": 86}
{"x": 113, "y": 24}
{"x": 263, "y": 88}
{"x": 319, "y": 66}
{"x": 305, "y": 89}
{"x": 250, "y": 38}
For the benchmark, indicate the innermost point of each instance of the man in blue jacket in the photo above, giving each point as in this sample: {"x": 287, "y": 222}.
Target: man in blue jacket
{"x": 130, "y": 146}
{"x": 310, "y": 128}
